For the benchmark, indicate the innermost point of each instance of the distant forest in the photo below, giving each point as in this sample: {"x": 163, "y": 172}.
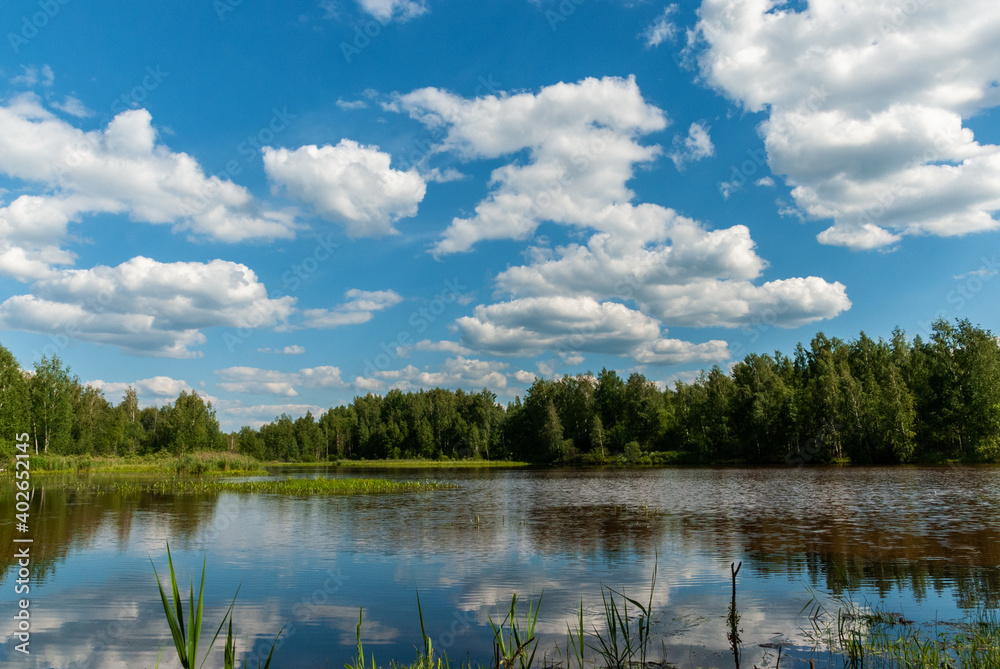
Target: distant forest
{"x": 866, "y": 401}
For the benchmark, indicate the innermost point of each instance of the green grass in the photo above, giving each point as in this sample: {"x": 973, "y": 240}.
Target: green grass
{"x": 220, "y": 463}
{"x": 518, "y": 644}
{"x": 317, "y": 486}
{"x": 186, "y": 637}
{"x": 875, "y": 637}
{"x": 414, "y": 463}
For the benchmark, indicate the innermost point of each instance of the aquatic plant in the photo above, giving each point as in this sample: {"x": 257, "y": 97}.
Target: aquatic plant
{"x": 425, "y": 656}
{"x": 186, "y": 637}
{"x": 317, "y": 486}
{"x": 854, "y": 636}
{"x": 873, "y": 636}
{"x": 733, "y": 618}
{"x": 624, "y": 643}
{"x": 516, "y": 644}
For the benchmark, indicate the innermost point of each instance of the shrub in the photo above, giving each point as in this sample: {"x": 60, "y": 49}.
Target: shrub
{"x": 633, "y": 451}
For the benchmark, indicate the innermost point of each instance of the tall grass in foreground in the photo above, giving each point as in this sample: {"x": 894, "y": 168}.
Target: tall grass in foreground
{"x": 622, "y": 645}
{"x": 877, "y": 638}
{"x": 425, "y": 657}
{"x": 626, "y": 640}
{"x": 517, "y": 645}
{"x": 856, "y": 637}
{"x": 187, "y": 637}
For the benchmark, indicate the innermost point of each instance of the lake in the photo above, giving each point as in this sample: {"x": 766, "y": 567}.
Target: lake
{"x": 921, "y": 540}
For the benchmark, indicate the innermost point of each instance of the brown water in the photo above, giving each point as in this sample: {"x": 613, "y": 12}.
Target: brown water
{"x": 924, "y": 540}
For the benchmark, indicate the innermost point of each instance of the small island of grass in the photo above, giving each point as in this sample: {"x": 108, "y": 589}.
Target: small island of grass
{"x": 410, "y": 463}
{"x": 317, "y": 486}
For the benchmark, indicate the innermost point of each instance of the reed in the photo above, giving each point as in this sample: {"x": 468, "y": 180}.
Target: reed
{"x": 425, "y": 656}
{"x": 359, "y": 659}
{"x": 516, "y": 644}
{"x": 626, "y": 640}
{"x": 187, "y": 637}
{"x": 854, "y": 636}
{"x": 576, "y": 642}
{"x": 873, "y": 636}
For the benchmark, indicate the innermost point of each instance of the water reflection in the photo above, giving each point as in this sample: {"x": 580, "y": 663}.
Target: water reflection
{"x": 63, "y": 518}
{"x": 600, "y": 528}
{"x": 924, "y": 538}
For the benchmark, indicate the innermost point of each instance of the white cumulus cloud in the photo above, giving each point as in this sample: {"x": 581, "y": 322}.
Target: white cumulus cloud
{"x": 583, "y": 147}
{"x": 458, "y": 372}
{"x": 696, "y": 146}
{"x": 122, "y": 169}
{"x": 663, "y": 29}
{"x": 524, "y": 376}
{"x": 253, "y": 380}
{"x": 293, "y": 349}
{"x": 146, "y": 307}
{"x": 582, "y": 144}
{"x": 156, "y": 390}
{"x": 866, "y": 105}
{"x": 569, "y": 326}
{"x": 387, "y": 10}
{"x": 360, "y": 307}
{"x": 349, "y": 183}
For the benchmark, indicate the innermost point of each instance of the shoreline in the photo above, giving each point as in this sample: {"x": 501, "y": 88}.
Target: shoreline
{"x": 224, "y": 463}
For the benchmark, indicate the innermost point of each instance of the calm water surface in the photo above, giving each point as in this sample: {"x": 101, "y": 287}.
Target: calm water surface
{"x": 924, "y": 540}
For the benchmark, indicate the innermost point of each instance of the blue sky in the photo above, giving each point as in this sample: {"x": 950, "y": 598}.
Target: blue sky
{"x": 284, "y": 205}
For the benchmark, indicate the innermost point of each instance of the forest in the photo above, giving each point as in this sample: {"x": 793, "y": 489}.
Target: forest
{"x": 863, "y": 401}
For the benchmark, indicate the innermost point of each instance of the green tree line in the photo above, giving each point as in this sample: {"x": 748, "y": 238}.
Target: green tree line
{"x": 63, "y": 417}
{"x": 867, "y": 401}
{"x": 427, "y": 424}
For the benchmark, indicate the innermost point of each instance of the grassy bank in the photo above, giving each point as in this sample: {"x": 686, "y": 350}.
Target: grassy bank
{"x": 227, "y": 464}
{"x": 219, "y": 463}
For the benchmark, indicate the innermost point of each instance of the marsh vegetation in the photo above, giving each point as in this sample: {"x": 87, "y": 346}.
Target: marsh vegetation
{"x": 853, "y": 636}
